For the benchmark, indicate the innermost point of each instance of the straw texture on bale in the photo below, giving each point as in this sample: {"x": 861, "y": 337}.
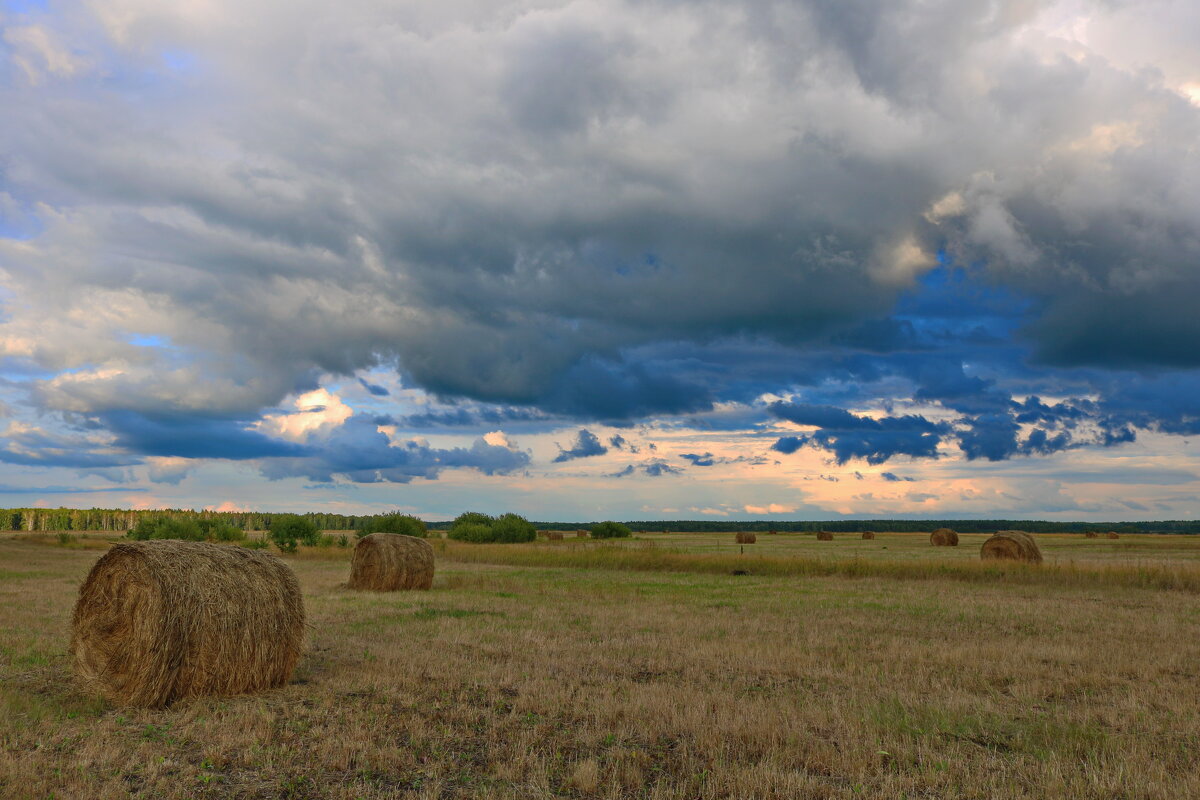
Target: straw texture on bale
{"x": 868, "y": 535}
{"x": 1114, "y": 535}
{"x": 554, "y": 536}
{"x": 943, "y": 537}
{"x": 1014, "y": 545}
{"x": 745, "y": 537}
{"x": 390, "y": 562}
{"x": 159, "y": 621}
{"x": 825, "y": 536}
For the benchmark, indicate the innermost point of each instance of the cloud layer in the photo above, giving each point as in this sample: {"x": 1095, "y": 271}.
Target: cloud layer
{"x": 915, "y": 231}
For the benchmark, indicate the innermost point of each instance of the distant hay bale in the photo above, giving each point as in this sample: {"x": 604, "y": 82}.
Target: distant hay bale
{"x": 554, "y": 536}
{"x": 1091, "y": 534}
{"x": 745, "y": 537}
{"x": 943, "y": 537}
{"x": 772, "y": 533}
{"x": 581, "y": 534}
{"x": 390, "y": 562}
{"x": 825, "y": 536}
{"x": 1114, "y": 535}
{"x": 1014, "y": 545}
{"x": 159, "y": 621}
{"x": 868, "y": 535}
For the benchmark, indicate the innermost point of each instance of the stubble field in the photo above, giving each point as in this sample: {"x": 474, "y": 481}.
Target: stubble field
{"x": 845, "y": 669}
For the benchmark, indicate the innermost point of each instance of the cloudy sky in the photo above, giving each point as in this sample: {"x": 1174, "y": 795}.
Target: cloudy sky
{"x": 601, "y": 259}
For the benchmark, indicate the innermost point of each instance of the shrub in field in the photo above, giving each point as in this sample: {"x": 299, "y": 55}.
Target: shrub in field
{"x": 404, "y": 524}
{"x": 475, "y": 527}
{"x": 513, "y": 528}
{"x": 610, "y": 530}
{"x": 215, "y": 530}
{"x": 256, "y": 544}
{"x": 167, "y": 528}
{"x": 288, "y": 530}
{"x": 472, "y": 532}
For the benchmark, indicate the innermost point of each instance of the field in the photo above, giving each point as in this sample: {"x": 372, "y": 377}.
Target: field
{"x": 646, "y": 668}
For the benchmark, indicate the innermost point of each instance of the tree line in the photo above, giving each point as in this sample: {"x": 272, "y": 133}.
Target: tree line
{"x": 123, "y": 519}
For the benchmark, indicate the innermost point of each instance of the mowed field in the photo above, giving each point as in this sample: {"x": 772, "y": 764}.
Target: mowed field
{"x": 646, "y": 668}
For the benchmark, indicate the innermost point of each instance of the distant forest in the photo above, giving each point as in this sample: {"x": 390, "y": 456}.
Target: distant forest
{"x": 117, "y": 519}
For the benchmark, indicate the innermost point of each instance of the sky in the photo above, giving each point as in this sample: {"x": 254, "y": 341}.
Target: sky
{"x": 602, "y": 260}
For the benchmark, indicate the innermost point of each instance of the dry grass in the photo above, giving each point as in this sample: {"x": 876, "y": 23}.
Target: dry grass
{"x": 390, "y": 562}
{"x": 540, "y": 681}
{"x": 163, "y": 620}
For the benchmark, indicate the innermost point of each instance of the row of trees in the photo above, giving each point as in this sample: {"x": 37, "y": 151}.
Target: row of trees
{"x": 123, "y": 519}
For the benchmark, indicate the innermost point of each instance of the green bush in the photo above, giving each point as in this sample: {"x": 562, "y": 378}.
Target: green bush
{"x": 513, "y": 528}
{"x": 472, "y": 532}
{"x": 256, "y": 544}
{"x": 343, "y": 541}
{"x": 610, "y": 530}
{"x": 472, "y": 518}
{"x": 479, "y": 528}
{"x": 327, "y": 540}
{"x": 405, "y": 524}
{"x": 288, "y": 530}
{"x": 167, "y": 528}
{"x": 192, "y": 529}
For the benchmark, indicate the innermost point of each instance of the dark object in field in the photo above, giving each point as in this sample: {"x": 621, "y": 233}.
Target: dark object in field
{"x": 943, "y": 537}
{"x": 1114, "y": 535}
{"x": 745, "y": 537}
{"x": 1013, "y": 545}
{"x": 772, "y": 533}
{"x": 740, "y": 572}
{"x": 390, "y": 562}
{"x": 825, "y": 536}
{"x": 1091, "y": 534}
{"x": 868, "y": 535}
{"x": 554, "y": 536}
{"x": 159, "y": 621}
{"x": 581, "y": 534}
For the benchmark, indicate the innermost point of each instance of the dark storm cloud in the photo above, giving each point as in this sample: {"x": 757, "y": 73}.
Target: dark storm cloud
{"x": 573, "y": 212}
{"x": 586, "y": 444}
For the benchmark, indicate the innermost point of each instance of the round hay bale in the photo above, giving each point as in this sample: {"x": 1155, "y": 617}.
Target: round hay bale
{"x": 1114, "y": 535}
{"x": 389, "y": 562}
{"x": 772, "y": 533}
{"x": 745, "y": 537}
{"x": 1014, "y": 545}
{"x": 581, "y": 534}
{"x": 868, "y": 535}
{"x": 1091, "y": 534}
{"x": 159, "y": 621}
{"x": 825, "y": 536}
{"x": 554, "y": 536}
{"x": 943, "y": 537}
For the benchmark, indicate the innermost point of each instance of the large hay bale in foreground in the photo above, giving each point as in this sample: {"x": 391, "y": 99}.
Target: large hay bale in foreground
{"x": 944, "y": 537}
{"x": 868, "y": 535}
{"x": 159, "y": 621}
{"x": 390, "y": 562}
{"x": 1114, "y": 535}
{"x": 745, "y": 537}
{"x": 1013, "y": 545}
{"x": 825, "y": 536}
